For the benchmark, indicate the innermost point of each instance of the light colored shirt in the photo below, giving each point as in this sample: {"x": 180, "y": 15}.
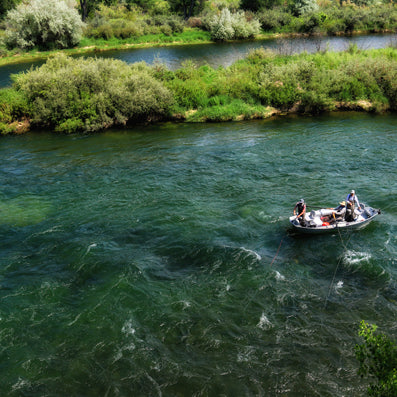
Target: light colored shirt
{"x": 354, "y": 198}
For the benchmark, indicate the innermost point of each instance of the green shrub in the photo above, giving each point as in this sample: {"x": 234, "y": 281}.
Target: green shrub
{"x": 279, "y": 85}
{"x": 378, "y": 360}
{"x": 301, "y": 7}
{"x": 233, "y": 110}
{"x": 6, "y": 129}
{"x": 92, "y": 94}
{"x": 313, "y": 22}
{"x": 227, "y": 26}
{"x": 190, "y": 94}
{"x": 315, "y": 102}
{"x": 13, "y": 105}
{"x": 260, "y": 55}
{"x": 274, "y": 19}
{"x": 45, "y": 24}
{"x": 122, "y": 23}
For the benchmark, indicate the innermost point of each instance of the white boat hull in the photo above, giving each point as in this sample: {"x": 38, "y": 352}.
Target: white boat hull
{"x": 315, "y": 225}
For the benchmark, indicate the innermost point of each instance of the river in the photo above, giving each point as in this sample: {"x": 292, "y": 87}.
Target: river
{"x": 158, "y": 260}
{"x": 221, "y": 54}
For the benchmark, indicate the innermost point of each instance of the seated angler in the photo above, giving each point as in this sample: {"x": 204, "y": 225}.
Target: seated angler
{"x": 340, "y": 211}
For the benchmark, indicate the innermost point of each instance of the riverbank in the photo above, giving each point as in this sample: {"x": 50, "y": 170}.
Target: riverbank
{"x": 89, "y": 46}
{"x": 76, "y": 94}
{"x": 189, "y": 37}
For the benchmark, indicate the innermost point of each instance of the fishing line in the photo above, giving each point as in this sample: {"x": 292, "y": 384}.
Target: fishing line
{"x": 337, "y": 265}
{"x": 277, "y": 252}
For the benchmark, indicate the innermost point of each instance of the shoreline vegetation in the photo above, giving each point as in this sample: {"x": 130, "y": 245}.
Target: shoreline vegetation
{"x": 161, "y": 40}
{"x": 37, "y": 29}
{"x": 76, "y": 94}
{"x": 70, "y": 95}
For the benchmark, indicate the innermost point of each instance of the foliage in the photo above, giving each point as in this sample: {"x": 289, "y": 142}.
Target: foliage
{"x": 122, "y": 23}
{"x": 226, "y": 109}
{"x": 210, "y": 7}
{"x": 92, "y": 94}
{"x": 227, "y": 26}
{"x": 45, "y": 24}
{"x": 331, "y": 20}
{"x": 7, "y": 5}
{"x": 310, "y": 83}
{"x": 260, "y": 5}
{"x": 378, "y": 360}
{"x": 13, "y": 108}
{"x": 301, "y": 7}
{"x": 187, "y": 8}
{"x": 13, "y": 105}
{"x": 275, "y": 19}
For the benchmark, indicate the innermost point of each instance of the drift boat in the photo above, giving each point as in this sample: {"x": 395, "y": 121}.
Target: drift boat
{"x": 330, "y": 219}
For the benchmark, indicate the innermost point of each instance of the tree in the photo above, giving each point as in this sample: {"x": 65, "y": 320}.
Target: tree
{"x": 45, "y": 24}
{"x": 300, "y": 7}
{"x": 87, "y": 6}
{"x": 227, "y": 26}
{"x": 378, "y": 360}
{"x": 187, "y": 7}
{"x": 257, "y": 5}
{"x": 7, "y": 5}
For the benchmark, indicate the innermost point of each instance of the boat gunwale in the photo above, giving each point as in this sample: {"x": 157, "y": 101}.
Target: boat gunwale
{"x": 335, "y": 227}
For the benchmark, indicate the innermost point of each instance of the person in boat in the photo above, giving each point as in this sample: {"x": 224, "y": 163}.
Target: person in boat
{"x": 351, "y": 201}
{"x": 339, "y": 211}
{"x": 300, "y": 211}
{"x": 353, "y": 198}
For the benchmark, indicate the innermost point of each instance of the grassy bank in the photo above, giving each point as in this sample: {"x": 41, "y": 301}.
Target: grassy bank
{"x": 115, "y": 28}
{"x": 189, "y": 36}
{"x": 68, "y": 95}
{"x": 192, "y": 36}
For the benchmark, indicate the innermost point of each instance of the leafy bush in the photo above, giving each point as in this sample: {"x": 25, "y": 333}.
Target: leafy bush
{"x": 227, "y": 26}
{"x": 301, "y": 7}
{"x": 259, "y": 55}
{"x": 378, "y": 360}
{"x": 14, "y": 111}
{"x": 45, "y": 24}
{"x": 92, "y": 94}
{"x": 13, "y": 105}
{"x": 274, "y": 19}
{"x": 120, "y": 23}
{"x": 229, "y": 110}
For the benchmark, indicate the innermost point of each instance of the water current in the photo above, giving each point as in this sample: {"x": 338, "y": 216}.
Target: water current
{"x": 221, "y": 54}
{"x": 158, "y": 260}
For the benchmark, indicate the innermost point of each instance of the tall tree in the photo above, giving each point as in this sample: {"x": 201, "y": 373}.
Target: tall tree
{"x": 7, "y": 5}
{"x": 187, "y": 7}
{"x": 88, "y": 6}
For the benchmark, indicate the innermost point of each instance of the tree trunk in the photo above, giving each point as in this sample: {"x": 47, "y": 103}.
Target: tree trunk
{"x": 191, "y": 7}
{"x": 83, "y": 6}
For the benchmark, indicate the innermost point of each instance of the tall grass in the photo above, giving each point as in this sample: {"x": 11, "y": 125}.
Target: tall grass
{"x": 310, "y": 83}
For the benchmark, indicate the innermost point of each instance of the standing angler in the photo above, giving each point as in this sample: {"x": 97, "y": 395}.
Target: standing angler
{"x": 300, "y": 211}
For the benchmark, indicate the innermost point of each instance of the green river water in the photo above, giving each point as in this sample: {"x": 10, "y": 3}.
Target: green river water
{"x": 158, "y": 260}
